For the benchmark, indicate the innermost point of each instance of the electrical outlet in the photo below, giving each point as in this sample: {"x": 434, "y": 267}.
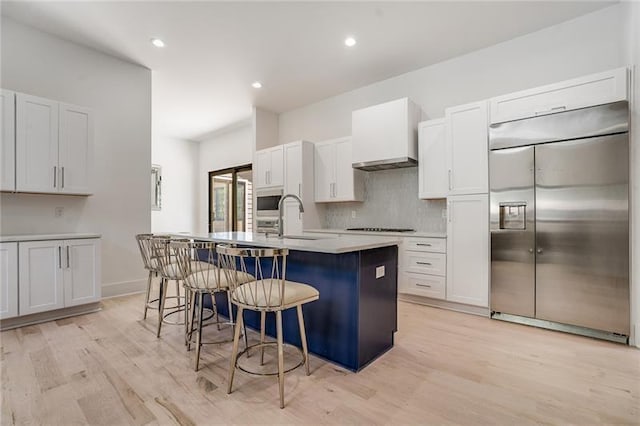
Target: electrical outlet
{"x": 380, "y": 271}
{"x": 353, "y": 214}
{"x": 58, "y": 212}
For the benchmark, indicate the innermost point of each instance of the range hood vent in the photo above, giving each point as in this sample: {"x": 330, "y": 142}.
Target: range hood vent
{"x": 396, "y": 163}
{"x": 385, "y": 136}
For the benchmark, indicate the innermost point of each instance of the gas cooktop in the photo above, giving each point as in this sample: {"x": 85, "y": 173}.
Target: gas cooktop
{"x": 381, "y": 229}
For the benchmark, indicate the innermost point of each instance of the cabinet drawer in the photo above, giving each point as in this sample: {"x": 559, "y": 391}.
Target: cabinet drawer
{"x": 425, "y": 285}
{"x": 595, "y": 89}
{"x": 425, "y": 263}
{"x": 434, "y": 245}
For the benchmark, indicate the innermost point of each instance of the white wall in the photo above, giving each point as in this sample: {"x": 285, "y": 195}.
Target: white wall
{"x": 229, "y": 149}
{"x": 120, "y": 95}
{"x": 585, "y": 45}
{"x": 179, "y": 162}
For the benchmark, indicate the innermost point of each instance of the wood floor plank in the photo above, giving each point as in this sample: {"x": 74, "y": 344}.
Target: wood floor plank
{"x": 446, "y": 368}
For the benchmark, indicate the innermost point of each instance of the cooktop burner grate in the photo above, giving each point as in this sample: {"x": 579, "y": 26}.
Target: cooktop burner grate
{"x": 382, "y": 229}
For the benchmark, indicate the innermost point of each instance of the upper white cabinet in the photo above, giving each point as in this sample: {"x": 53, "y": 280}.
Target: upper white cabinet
{"x": 385, "y": 134}
{"x": 299, "y": 180}
{"x": 8, "y": 280}
{"x": 432, "y": 164}
{"x": 467, "y": 149}
{"x": 269, "y": 170}
{"x": 335, "y": 179}
{"x": 75, "y": 149}
{"x": 58, "y": 273}
{"x": 54, "y": 146}
{"x": 36, "y": 144}
{"x": 8, "y": 142}
{"x": 595, "y": 89}
{"x": 468, "y": 250}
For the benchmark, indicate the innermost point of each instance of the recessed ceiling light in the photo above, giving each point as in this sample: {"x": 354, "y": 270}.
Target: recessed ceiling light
{"x": 349, "y": 41}
{"x": 256, "y": 85}
{"x": 157, "y": 42}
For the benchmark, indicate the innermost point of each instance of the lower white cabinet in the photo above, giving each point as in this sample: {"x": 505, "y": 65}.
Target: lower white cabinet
{"x": 57, "y": 274}
{"x": 423, "y": 266}
{"x": 8, "y": 280}
{"x": 468, "y": 249}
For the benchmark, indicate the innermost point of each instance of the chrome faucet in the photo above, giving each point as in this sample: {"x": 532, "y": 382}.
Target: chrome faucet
{"x": 280, "y": 212}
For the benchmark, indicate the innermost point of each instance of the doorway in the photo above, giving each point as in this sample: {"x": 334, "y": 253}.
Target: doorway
{"x": 231, "y": 200}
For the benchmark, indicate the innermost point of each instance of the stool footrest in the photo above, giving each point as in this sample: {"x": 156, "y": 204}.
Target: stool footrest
{"x": 260, "y": 345}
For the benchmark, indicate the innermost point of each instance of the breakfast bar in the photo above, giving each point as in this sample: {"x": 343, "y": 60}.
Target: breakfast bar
{"x": 355, "y": 318}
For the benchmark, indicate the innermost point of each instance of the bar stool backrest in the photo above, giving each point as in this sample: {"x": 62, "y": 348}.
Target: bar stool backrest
{"x": 267, "y": 265}
{"x": 197, "y": 263}
{"x": 165, "y": 257}
{"x": 144, "y": 244}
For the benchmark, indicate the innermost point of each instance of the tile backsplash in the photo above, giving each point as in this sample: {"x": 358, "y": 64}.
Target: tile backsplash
{"x": 391, "y": 201}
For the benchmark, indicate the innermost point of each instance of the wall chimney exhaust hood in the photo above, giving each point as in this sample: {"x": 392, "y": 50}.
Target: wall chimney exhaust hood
{"x": 385, "y": 136}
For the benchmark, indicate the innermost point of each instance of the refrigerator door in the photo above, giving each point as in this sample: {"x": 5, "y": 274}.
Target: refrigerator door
{"x": 512, "y": 231}
{"x": 582, "y": 239}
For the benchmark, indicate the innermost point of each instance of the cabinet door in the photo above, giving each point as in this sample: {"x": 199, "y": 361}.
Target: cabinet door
{"x": 594, "y": 89}
{"x": 8, "y": 142}
{"x": 293, "y": 169}
{"x": 468, "y": 250}
{"x": 432, "y": 163}
{"x": 292, "y": 218}
{"x": 40, "y": 270}
{"x": 263, "y": 164}
{"x": 325, "y": 171}
{"x": 344, "y": 183}
{"x": 36, "y": 144}
{"x": 276, "y": 175}
{"x": 8, "y": 280}
{"x": 467, "y": 146}
{"x": 81, "y": 265}
{"x": 75, "y": 153}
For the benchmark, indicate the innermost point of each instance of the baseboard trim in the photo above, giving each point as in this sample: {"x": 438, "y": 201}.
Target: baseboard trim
{"x": 452, "y": 306}
{"x": 9, "y": 323}
{"x": 123, "y": 288}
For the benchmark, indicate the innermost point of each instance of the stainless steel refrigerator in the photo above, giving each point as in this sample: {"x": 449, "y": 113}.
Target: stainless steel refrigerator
{"x": 559, "y": 220}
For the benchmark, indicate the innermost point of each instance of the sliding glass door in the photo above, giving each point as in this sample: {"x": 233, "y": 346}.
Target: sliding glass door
{"x": 231, "y": 200}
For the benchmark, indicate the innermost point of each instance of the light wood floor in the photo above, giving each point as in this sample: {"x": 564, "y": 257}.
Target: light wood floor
{"x": 109, "y": 368}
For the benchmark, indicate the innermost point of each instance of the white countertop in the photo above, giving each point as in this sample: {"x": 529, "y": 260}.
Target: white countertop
{"x": 324, "y": 243}
{"x": 43, "y": 237}
{"x": 392, "y": 234}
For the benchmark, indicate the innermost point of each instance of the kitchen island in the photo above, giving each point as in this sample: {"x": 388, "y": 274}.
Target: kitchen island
{"x": 355, "y": 318}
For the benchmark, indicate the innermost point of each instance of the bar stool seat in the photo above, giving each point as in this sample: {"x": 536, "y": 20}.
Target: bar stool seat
{"x": 295, "y": 293}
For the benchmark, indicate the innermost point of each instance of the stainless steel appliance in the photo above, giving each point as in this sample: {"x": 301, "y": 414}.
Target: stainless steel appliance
{"x": 267, "y": 201}
{"x": 267, "y": 225}
{"x": 560, "y": 221}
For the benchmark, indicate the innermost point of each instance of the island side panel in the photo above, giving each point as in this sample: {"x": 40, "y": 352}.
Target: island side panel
{"x": 378, "y": 304}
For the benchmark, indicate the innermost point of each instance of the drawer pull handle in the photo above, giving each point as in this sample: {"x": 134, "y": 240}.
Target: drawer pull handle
{"x": 423, "y": 285}
{"x": 424, "y": 263}
{"x": 423, "y": 244}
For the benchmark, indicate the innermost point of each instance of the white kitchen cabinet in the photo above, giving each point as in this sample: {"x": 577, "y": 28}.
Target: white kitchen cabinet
{"x": 41, "y": 276}
{"x": 432, "y": 164}
{"x": 335, "y": 178}
{"x": 75, "y": 149}
{"x": 467, "y": 148}
{"x": 8, "y": 142}
{"x": 468, "y": 250}
{"x": 269, "y": 171}
{"x": 81, "y": 271}
{"x": 55, "y": 274}
{"x": 299, "y": 180}
{"x": 36, "y": 144}
{"x": 594, "y": 89}
{"x": 8, "y": 280}
{"x": 422, "y": 267}
{"x": 54, "y": 146}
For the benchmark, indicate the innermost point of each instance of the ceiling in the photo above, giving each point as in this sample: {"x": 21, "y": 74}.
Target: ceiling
{"x": 215, "y": 50}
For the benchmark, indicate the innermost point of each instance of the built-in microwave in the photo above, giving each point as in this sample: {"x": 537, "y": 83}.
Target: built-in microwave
{"x": 267, "y": 201}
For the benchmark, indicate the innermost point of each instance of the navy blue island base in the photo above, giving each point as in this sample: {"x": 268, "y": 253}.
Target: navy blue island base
{"x": 355, "y": 318}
